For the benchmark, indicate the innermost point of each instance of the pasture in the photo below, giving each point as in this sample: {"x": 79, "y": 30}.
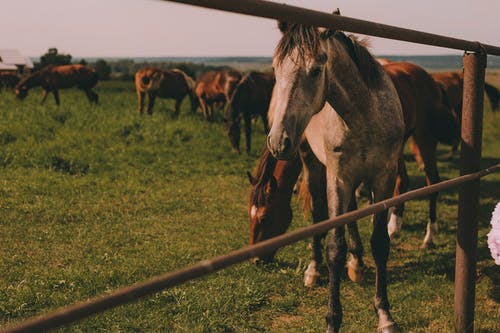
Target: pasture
{"x": 94, "y": 198}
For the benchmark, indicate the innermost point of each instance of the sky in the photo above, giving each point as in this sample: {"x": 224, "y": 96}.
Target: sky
{"x": 154, "y": 28}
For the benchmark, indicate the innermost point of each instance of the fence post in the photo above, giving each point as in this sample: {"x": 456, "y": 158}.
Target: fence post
{"x": 468, "y": 195}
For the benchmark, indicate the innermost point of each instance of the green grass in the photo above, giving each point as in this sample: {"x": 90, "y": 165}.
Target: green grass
{"x": 94, "y": 198}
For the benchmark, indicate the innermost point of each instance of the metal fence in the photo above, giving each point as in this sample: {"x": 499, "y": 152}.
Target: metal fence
{"x": 474, "y": 62}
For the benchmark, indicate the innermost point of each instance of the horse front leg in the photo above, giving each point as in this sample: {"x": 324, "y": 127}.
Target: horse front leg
{"x": 314, "y": 184}
{"x": 55, "y": 92}
{"x": 92, "y": 96}
{"x": 151, "y": 103}
{"x": 339, "y": 194}
{"x": 141, "y": 95}
{"x": 177, "y": 110}
{"x": 248, "y": 132}
{"x": 45, "y": 93}
{"x": 380, "y": 245}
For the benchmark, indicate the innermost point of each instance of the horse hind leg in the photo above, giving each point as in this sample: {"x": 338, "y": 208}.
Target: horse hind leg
{"x": 396, "y": 213}
{"x": 177, "y": 110}
{"x": 92, "y": 96}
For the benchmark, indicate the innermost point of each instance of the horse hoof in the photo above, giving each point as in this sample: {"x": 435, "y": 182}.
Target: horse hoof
{"x": 311, "y": 275}
{"x": 427, "y": 245}
{"x": 394, "y": 226}
{"x": 390, "y": 329}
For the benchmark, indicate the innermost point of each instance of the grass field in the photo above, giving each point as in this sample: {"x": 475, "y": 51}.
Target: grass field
{"x": 94, "y": 198}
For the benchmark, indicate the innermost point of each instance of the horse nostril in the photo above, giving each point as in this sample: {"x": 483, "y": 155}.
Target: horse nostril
{"x": 286, "y": 143}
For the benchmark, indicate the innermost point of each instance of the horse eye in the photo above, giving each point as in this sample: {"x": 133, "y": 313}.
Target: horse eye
{"x": 315, "y": 72}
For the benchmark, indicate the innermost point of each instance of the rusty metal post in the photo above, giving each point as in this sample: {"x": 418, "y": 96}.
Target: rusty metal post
{"x": 468, "y": 195}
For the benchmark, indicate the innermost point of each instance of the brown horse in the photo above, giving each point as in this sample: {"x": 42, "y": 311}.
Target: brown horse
{"x": 156, "y": 82}
{"x": 428, "y": 121}
{"x": 250, "y": 99}
{"x": 215, "y": 87}
{"x": 8, "y": 80}
{"x": 451, "y": 84}
{"x": 53, "y": 78}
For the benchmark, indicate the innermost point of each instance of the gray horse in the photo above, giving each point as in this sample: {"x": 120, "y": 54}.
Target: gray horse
{"x": 330, "y": 89}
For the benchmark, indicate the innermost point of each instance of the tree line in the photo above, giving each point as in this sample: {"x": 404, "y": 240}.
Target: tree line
{"x": 120, "y": 69}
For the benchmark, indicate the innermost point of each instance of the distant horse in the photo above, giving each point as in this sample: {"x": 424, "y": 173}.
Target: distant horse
{"x": 250, "y": 99}
{"x": 164, "y": 83}
{"x": 451, "y": 84}
{"x": 356, "y": 132}
{"x": 215, "y": 87}
{"x": 53, "y": 78}
{"x": 8, "y": 80}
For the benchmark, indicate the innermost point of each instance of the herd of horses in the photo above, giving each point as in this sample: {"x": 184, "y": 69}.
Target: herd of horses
{"x": 338, "y": 116}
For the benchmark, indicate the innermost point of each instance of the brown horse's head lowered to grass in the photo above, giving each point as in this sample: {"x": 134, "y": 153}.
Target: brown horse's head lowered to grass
{"x": 164, "y": 83}
{"x": 53, "y": 78}
{"x": 215, "y": 88}
{"x": 269, "y": 207}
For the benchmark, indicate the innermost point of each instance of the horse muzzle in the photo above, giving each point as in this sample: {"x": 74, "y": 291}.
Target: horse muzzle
{"x": 280, "y": 147}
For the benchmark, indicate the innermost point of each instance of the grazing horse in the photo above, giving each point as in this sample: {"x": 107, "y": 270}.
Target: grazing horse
{"x": 53, "y": 78}
{"x": 250, "y": 99}
{"x": 356, "y": 132}
{"x": 451, "y": 84}
{"x": 8, "y": 80}
{"x": 428, "y": 121}
{"x": 163, "y": 83}
{"x": 215, "y": 87}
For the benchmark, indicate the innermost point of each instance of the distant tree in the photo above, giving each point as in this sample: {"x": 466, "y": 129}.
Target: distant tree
{"x": 83, "y": 62}
{"x": 53, "y": 57}
{"x": 103, "y": 70}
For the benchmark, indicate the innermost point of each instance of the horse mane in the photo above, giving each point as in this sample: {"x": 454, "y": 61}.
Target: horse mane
{"x": 365, "y": 62}
{"x": 262, "y": 174}
{"x": 308, "y": 39}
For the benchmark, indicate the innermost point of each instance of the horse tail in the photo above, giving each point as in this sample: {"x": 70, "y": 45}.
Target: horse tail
{"x": 493, "y": 95}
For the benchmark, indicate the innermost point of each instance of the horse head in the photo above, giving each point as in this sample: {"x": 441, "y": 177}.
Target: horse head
{"x": 300, "y": 63}
{"x": 21, "y": 91}
{"x": 269, "y": 210}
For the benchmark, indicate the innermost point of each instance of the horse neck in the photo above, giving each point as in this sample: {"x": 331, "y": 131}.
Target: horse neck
{"x": 347, "y": 90}
{"x": 33, "y": 80}
{"x": 286, "y": 174}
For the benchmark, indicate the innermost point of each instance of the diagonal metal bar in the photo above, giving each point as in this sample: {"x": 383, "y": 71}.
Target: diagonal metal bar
{"x": 129, "y": 294}
{"x": 273, "y": 10}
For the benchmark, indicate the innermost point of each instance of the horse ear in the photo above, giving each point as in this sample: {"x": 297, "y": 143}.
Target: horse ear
{"x": 283, "y": 26}
{"x": 327, "y": 33}
{"x": 252, "y": 180}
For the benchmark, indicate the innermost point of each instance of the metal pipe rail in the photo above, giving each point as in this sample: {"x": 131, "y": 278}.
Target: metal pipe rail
{"x": 272, "y": 10}
{"x": 129, "y": 294}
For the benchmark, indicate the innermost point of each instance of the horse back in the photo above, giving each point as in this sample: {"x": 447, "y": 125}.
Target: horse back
{"x": 67, "y": 76}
